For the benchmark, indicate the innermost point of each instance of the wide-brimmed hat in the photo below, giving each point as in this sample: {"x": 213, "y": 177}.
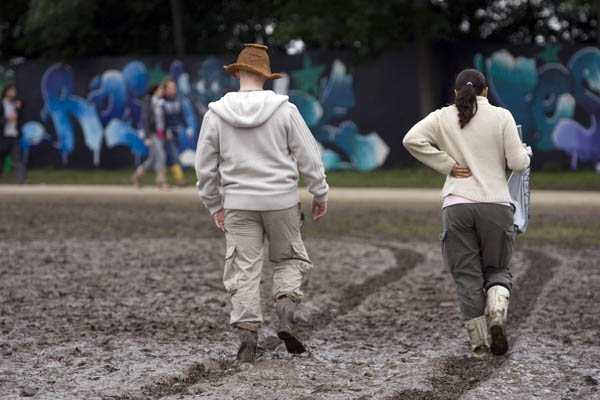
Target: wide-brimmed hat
{"x": 253, "y": 58}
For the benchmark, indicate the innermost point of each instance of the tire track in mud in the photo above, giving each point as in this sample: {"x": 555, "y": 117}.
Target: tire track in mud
{"x": 349, "y": 298}
{"x": 209, "y": 370}
{"x": 459, "y": 374}
{"x": 353, "y": 295}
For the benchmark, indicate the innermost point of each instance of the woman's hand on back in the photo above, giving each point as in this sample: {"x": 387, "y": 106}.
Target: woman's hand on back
{"x": 458, "y": 171}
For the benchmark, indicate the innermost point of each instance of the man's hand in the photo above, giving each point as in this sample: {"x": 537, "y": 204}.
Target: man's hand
{"x": 459, "y": 171}
{"x": 190, "y": 133}
{"x": 219, "y": 218}
{"x": 148, "y": 142}
{"x": 318, "y": 210}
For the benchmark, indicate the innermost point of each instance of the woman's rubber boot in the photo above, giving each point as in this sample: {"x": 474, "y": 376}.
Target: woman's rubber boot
{"x": 285, "y": 331}
{"x": 161, "y": 179}
{"x": 478, "y": 335}
{"x": 137, "y": 176}
{"x": 248, "y": 344}
{"x": 497, "y": 305}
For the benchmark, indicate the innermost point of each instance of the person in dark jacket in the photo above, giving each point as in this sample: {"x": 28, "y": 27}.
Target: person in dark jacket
{"x": 10, "y": 113}
{"x": 174, "y": 119}
{"x": 153, "y": 133}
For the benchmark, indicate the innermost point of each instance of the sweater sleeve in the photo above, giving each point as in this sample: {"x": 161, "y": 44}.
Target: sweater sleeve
{"x": 207, "y": 164}
{"x": 305, "y": 150}
{"x": 516, "y": 156}
{"x": 419, "y": 142}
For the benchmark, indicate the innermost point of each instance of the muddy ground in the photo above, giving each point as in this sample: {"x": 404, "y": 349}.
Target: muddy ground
{"x": 116, "y": 300}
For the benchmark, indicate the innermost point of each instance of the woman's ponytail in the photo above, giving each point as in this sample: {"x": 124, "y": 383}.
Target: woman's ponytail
{"x": 470, "y": 83}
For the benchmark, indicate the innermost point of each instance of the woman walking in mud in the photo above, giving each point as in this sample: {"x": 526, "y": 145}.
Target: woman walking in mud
{"x": 470, "y": 142}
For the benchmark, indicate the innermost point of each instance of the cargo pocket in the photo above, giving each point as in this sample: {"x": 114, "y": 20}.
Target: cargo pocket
{"x": 448, "y": 250}
{"x": 443, "y": 245}
{"x": 299, "y": 254}
{"x": 508, "y": 246}
{"x": 231, "y": 274}
{"x": 301, "y": 215}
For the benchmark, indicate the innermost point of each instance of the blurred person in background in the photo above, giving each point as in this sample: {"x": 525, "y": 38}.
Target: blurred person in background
{"x": 470, "y": 142}
{"x": 257, "y": 142}
{"x": 153, "y": 133}
{"x": 174, "y": 119}
{"x": 10, "y": 116}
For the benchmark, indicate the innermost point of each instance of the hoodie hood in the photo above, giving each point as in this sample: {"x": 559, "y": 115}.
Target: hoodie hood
{"x": 248, "y": 109}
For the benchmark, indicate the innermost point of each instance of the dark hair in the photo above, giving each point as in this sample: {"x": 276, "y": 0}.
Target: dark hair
{"x": 469, "y": 84}
{"x": 7, "y": 87}
{"x": 152, "y": 89}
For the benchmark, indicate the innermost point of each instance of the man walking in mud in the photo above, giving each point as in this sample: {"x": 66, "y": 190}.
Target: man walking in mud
{"x": 257, "y": 142}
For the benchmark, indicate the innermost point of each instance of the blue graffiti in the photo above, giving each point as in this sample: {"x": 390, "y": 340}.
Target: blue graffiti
{"x": 116, "y": 97}
{"x": 569, "y": 135}
{"x": 119, "y": 132}
{"x": 110, "y": 114}
{"x": 544, "y": 99}
{"x": 211, "y": 82}
{"x": 32, "y": 134}
{"x": 108, "y": 88}
{"x": 363, "y": 152}
{"x": 551, "y": 103}
{"x": 61, "y": 105}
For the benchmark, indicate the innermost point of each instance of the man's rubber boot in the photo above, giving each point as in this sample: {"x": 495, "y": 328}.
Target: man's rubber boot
{"x": 137, "y": 176}
{"x": 497, "y": 304}
{"x": 248, "y": 344}
{"x": 478, "y": 335}
{"x": 285, "y": 331}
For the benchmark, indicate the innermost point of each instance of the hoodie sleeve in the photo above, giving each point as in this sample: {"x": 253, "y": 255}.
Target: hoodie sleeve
{"x": 207, "y": 164}
{"x": 305, "y": 150}
{"x": 516, "y": 156}
{"x": 419, "y": 142}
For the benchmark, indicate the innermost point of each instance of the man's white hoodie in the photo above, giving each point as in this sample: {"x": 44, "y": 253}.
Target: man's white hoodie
{"x": 256, "y": 141}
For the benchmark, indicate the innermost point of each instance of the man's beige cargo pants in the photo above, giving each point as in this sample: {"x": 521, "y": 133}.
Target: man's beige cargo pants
{"x": 246, "y": 232}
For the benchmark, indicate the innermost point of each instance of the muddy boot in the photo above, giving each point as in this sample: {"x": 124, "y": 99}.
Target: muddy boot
{"x": 161, "y": 179}
{"x": 248, "y": 344}
{"x": 478, "y": 335}
{"x": 137, "y": 176}
{"x": 497, "y": 304}
{"x": 285, "y": 310}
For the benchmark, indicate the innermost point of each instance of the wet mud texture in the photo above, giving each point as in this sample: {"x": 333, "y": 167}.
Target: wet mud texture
{"x": 101, "y": 314}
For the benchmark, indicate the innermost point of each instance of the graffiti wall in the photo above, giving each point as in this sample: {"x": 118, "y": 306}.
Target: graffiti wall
{"x": 87, "y": 113}
{"x": 558, "y": 103}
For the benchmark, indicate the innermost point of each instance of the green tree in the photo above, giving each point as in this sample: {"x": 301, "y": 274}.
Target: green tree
{"x": 362, "y": 28}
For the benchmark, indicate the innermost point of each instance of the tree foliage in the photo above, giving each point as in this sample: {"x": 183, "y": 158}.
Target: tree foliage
{"x": 366, "y": 28}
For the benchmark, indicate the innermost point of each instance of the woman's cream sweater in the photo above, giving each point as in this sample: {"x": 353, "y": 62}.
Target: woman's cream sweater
{"x": 486, "y": 144}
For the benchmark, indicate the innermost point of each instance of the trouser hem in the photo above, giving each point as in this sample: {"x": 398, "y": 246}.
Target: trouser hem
{"x": 291, "y": 295}
{"x": 504, "y": 285}
{"x": 251, "y": 326}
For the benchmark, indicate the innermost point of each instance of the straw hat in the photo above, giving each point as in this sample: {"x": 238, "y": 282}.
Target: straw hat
{"x": 253, "y": 58}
